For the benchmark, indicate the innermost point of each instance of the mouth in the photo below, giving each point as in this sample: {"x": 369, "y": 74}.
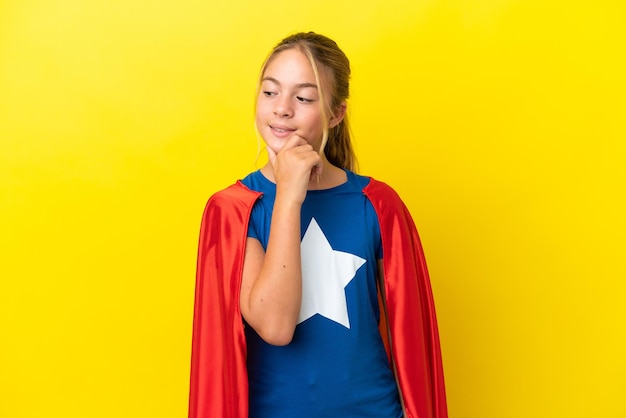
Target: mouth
{"x": 282, "y": 128}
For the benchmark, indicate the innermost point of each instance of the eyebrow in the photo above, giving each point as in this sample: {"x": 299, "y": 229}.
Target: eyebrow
{"x": 300, "y": 86}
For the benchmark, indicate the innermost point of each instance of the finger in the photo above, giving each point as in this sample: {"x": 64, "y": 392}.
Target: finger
{"x": 318, "y": 168}
{"x": 295, "y": 140}
{"x": 316, "y": 172}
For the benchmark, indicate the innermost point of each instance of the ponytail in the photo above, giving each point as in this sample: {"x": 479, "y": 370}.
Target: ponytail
{"x": 338, "y": 149}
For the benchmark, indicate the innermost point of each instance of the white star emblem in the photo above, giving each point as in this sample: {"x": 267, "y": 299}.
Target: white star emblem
{"x": 325, "y": 274}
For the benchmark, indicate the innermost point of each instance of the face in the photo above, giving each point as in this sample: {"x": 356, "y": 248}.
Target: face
{"x": 289, "y": 101}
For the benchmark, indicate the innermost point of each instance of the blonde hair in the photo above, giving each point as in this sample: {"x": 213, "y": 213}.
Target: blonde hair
{"x": 333, "y": 87}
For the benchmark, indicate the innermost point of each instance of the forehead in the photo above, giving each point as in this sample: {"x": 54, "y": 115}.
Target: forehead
{"x": 290, "y": 67}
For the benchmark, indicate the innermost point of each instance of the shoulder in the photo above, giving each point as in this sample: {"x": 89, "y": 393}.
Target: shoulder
{"x": 380, "y": 191}
{"x": 393, "y": 215}
{"x": 372, "y": 187}
{"x": 227, "y": 210}
{"x": 386, "y": 201}
{"x": 234, "y": 196}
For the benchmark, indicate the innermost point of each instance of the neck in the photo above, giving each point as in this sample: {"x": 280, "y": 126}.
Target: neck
{"x": 331, "y": 176}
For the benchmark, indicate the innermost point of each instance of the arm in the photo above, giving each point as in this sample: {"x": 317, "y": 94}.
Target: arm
{"x": 271, "y": 290}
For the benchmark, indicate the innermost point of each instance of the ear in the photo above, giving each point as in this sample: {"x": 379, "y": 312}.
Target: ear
{"x": 338, "y": 116}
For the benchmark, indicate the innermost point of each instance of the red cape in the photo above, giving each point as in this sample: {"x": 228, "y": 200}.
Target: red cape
{"x": 219, "y": 380}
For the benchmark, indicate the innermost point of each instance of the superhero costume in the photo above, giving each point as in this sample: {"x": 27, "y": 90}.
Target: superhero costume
{"x": 219, "y": 384}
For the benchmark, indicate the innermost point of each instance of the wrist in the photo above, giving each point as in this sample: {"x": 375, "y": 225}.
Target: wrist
{"x": 287, "y": 201}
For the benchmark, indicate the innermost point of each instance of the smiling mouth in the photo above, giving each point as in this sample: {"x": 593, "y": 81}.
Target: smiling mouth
{"x": 281, "y": 129}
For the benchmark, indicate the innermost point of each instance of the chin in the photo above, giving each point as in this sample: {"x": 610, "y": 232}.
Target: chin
{"x": 273, "y": 145}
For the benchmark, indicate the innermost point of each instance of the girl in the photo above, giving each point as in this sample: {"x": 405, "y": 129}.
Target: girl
{"x": 312, "y": 294}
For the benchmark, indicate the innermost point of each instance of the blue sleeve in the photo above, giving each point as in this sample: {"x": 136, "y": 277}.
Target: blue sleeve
{"x": 252, "y": 224}
{"x": 378, "y": 243}
{"x": 376, "y": 237}
{"x": 259, "y": 225}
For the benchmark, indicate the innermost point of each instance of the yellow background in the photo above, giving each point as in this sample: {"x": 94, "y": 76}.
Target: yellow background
{"x": 500, "y": 122}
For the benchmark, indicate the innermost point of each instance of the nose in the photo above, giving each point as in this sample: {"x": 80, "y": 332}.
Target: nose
{"x": 282, "y": 107}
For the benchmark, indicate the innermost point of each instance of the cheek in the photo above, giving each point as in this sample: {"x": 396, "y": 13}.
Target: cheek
{"x": 262, "y": 106}
{"x": 315, "y": 124}
{"x": 258, "y": 110}
{"x": 260, "y": 116}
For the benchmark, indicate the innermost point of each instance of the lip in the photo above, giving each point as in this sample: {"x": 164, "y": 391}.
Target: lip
{"x": 282, "y": 131}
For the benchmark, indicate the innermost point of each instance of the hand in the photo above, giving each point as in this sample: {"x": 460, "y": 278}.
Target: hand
{"x": 294, "y": 166}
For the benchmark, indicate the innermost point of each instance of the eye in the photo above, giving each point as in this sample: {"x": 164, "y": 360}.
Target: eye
{"x": 269, "y": 93}
{"x": 304, "y": 99}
